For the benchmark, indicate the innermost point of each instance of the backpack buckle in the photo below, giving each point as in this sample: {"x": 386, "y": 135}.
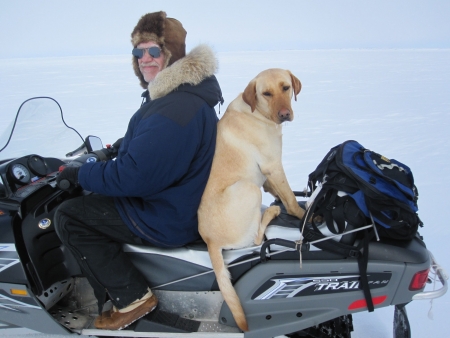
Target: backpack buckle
{"x": 308, "y": 235}
{"x": 354, "y": 253}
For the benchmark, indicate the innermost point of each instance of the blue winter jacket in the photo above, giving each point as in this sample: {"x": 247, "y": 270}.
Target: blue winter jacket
{"x": 163, "y": 164}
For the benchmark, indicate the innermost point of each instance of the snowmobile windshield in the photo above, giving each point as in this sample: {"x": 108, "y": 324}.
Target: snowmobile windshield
{"x": 38, "y": 128}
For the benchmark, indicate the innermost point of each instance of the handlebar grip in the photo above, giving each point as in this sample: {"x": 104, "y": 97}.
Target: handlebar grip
{"x": 278, "y": 241}
{"x": 64, "y": 184}
{"x": 282, "y": 242}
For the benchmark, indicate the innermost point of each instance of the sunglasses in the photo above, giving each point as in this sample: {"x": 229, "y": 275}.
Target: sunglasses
{"x": 154, "y": 52}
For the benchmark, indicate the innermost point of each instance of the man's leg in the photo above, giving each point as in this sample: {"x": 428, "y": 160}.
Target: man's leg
{"x": 94, "y": 232}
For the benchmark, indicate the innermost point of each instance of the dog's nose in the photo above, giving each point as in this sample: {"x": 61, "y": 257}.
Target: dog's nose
{"x": 284, "y": 114}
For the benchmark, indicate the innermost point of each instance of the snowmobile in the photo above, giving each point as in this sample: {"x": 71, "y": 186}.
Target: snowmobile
{"x": 286, "y": 287}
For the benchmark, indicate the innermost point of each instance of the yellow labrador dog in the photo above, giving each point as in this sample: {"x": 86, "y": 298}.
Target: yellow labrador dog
{"x": 247, "y": 157}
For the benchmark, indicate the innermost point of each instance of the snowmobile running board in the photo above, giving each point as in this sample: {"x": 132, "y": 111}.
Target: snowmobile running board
{"x": 125, "y": 333}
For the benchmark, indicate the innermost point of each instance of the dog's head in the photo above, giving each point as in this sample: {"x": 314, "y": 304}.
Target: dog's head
{"x": 271, "y": 92}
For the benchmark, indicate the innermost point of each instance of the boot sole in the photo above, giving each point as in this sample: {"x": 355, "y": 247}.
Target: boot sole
{"x": 125, "y": 326}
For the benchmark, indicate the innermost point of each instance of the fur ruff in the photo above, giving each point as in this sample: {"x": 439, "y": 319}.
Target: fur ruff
{"x": 196, "y": 66}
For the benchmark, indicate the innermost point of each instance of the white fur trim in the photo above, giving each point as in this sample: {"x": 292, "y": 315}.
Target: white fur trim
{"x": 199, "y": 64}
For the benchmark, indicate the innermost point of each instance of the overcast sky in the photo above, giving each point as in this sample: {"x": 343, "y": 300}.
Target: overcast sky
{"x": 30, "y": 28}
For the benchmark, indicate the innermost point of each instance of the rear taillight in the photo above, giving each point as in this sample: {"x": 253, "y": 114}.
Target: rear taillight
{"x": 362, "y": 303}
{"x": 419, "y": 280}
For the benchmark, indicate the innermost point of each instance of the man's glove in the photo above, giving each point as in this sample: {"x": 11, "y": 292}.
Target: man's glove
{"x": 109, "y": 152}
{"x": 117, "y": 143}
{"x": 67, "y": 178}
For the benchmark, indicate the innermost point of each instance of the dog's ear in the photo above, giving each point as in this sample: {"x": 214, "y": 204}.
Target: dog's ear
{"x": 296, "y": 84}
{"x": 249, "y": 95}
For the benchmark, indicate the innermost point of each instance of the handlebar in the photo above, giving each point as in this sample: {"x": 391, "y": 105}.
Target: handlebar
{"x": 282, "y": 242}
{"x": 80, "y": 150}
{"x": 65, "y": 184}
{"x": 105, "y": 154}
{"x": 302, "y": 193}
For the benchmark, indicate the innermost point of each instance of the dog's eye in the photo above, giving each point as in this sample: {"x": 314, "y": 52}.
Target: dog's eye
{"x": 267, "y": 94}
{"x": 286, "y": 88}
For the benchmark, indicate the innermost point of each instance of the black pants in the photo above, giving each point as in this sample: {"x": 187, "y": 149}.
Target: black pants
{"x": 94, "y": 232}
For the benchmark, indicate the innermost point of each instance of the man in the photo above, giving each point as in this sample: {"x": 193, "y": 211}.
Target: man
{"x": 151, "y": 192}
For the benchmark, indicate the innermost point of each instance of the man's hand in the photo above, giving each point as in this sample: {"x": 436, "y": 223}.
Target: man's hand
{"x": 68, "y": 177}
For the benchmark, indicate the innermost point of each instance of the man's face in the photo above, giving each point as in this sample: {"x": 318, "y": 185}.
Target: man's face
{"x": 148, "y": 65}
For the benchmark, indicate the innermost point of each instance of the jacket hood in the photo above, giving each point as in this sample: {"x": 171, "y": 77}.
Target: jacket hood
{"x": 209, "y": 90}
{"x": 199, "y": 64}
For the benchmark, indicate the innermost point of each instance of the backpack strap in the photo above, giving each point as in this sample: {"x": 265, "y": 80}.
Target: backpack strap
{"x": 360, "y": 252}
{"x": 363, "y": 261}
{"x": 327, "y": 244}
{"x": 377, "y": 212}
{"x": 311, "y": 234}
{"x": 331, "y": 212}
{"x": 318, "y": 174}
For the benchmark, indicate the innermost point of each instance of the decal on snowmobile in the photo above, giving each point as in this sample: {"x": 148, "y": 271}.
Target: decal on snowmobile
{"x": 4, "y": 326}
{"x": 12, "y": 304}
{"x": 6, "y": 263}
{"x": 7, "y": 247}
{"x": 294, "y": 286}
{"x": 8, "y": 256}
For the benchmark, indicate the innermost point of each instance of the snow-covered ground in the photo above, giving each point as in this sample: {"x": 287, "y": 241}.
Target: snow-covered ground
{"x": 395, "y": 102}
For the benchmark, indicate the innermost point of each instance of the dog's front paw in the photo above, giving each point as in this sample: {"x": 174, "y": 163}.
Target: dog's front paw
{"x": 317, "y": 219}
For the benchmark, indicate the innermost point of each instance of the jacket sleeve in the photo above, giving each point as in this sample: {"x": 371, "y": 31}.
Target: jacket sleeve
{"x": 158, "y": 155}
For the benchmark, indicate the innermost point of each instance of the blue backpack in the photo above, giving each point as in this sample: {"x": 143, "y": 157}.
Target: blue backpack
{"x": 353, "y": 188}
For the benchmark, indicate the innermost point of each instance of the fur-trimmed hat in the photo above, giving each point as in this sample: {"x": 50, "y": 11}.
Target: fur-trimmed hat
{"x": 168, "y": 33}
